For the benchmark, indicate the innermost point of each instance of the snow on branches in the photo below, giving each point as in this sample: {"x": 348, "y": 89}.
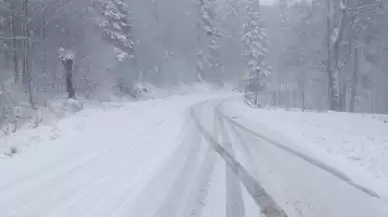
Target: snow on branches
{"x": 117, "y": 28}
{"x": 256, "y": 45}
{"x": 64, "y": 55}
{"x": 210, "y": 58}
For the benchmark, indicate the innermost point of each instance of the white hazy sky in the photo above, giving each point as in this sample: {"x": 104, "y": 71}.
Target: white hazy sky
{"x": 267, "y": 2}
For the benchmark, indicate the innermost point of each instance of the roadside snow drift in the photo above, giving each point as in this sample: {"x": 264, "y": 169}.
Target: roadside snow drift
{"x": 356, "y": 144}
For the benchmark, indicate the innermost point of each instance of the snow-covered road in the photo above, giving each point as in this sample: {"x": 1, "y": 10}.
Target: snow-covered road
{"x": 174, "y": 157}
{"x": 300, "y": 184}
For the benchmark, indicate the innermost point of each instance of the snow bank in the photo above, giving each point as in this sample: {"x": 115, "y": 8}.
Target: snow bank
{"x": 31, "y": 126}
{"x": 357, "y": 144}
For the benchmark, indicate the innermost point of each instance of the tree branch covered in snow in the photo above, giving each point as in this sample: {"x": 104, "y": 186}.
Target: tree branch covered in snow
{"x": 256, "y": 46}
{"x": 208, "y": 60}
{"x": 117, "y": 28}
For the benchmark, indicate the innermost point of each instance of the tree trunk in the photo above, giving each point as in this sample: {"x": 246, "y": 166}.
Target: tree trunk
{"x": 335, "y": 103}
{"x": 328, "y": 64}
{"x": 24, "y": 43}
{"x": 278, "y": 97}
{"x": 286, "y": 91}
{"x": 14, "y": 49}
{"x": 343, "y": 92}
{"x": 334, "y": 38}
{"x": 140, "y": 75}
{"x": 302, "y": 86}
{"x": 69, "y": 85}
{"x": 200, "y": 74}
{"x": 27, "y": 78}
{"x": 68, "y": 64}
{"x": 43, "y": 38}
{"x": 6, "y": 55}
{"x": 354, "y": 82}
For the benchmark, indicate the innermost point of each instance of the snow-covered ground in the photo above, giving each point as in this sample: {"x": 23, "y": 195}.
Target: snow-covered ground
{"x": 173, "y": 157}
{"x": 100, "y": 162}
{"x": 63, "y": 118}
{"x": 355, "y": 144}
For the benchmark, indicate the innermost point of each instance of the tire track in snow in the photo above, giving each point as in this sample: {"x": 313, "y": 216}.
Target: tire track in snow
{"x": 244, "y": 145}
{"x": 69, "y": 157}
{"x": 104, "y": 161}
{"x": 60, "y": 203}
{"x": 32, "y": 191}
{"x": 234, "y": 202}
{"x": 160, "y": 188}
{"x": 267, "y": 205}
{"x": 47, "y": 169}
{"x": 304, "y": 157}
{"x": 198, "y": 197}
{"x": 294, "y": 206}
{"x": 199, "y": 194}
{"x": 169, "y": 207}
{"x": 121, "y": 188}
{"x": 69, "y": 193}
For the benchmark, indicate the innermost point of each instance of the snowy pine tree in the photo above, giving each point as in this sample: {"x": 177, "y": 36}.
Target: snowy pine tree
{"x": 283, "y": 5}
{"x": 117, "y": 28}
{"x": 256, "y": 46}
{"x": 211, "y": 57}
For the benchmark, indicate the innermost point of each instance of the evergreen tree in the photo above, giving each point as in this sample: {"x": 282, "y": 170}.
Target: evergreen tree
{"x": 11, "y": 33}
{"x": 283, "y": 6}
{"x": 117, "y": 28}
{"x": 256, "y": 46}
{"x": 211, "y": 57}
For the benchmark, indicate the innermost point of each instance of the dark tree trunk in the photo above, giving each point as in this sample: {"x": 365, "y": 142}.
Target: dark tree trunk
{"x": 354, "y": 82}
{"x": 328, "y": 64}
{"x": 286, "y": 90}
{"x": 278, "y": 96}
{"x": 303, "y": 99}
{"x": 69, "y": 85}
{"x": 27, "y": 77}
{"x": 6, "y": 55}
{"x": 343, "y": 95}
{"x": 25, "y": 43}
{"x": 43, "y": 38}
{"x": 302, "y": 86}
{"x": 14, "y": 50}
{"x": 68, "y": 64}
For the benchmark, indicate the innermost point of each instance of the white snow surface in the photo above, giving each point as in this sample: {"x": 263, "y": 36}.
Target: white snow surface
{"x": 55, "y": 118}
{"x": 147, "y": 158}
{"x": 76, "y": 168}
{"x": 355, "y": 144}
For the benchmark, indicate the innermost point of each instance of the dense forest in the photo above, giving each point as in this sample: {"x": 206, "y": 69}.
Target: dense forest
{"x": 319, "y": 54}
{"x": 330, "y": 54}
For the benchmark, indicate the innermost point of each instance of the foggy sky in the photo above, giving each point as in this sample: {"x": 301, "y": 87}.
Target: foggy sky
{"x": 267, "y": 2}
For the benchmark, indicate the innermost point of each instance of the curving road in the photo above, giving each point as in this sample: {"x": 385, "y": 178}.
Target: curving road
{"x": 214, "y": 167}
{"x": 300, "y": 185}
